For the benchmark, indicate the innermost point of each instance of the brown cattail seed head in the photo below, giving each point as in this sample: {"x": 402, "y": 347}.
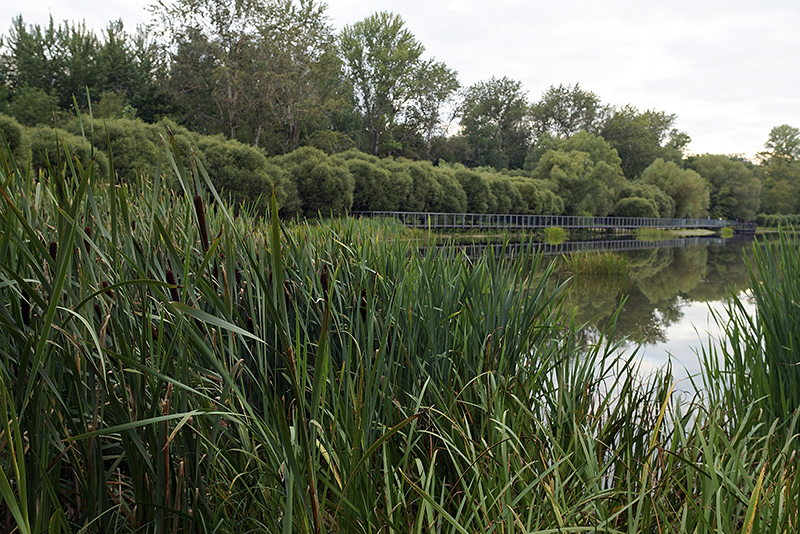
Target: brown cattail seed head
{"x": 201, "y": 219}
{"x": 25, "y": 308}
{"x": 53, "y": 250}
{"x": 362, "y": 307}
{"x": 88, "y": 232}
{"x": 323, "y": 278}
{"x": 110, "y": 291}
{"x": 173, "y": 291}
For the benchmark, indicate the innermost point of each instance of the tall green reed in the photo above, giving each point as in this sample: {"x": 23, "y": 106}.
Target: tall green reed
{"x": 167, "y": 367}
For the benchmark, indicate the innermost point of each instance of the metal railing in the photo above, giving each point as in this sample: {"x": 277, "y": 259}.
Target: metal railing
{"x": 515, "y": 250}
{"x": 415, "y": 219}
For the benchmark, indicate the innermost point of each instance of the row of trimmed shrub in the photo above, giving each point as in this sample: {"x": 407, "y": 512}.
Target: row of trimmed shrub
{"x": 775, "y": 220}
{"x": 308, "y": 181}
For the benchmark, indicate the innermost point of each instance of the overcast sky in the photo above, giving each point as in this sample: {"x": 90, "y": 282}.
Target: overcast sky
{"x": 729, "y": 70}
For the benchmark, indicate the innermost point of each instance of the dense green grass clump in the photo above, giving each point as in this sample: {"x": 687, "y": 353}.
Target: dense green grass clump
{"x": 555, "y": 235}
{"x": 654, "y": 234}
{"x": 595, "y": 263}
{"x": 168, "y": 368}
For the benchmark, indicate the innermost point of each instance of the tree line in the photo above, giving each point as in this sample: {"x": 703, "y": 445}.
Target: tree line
{"x": 272, "y": 82}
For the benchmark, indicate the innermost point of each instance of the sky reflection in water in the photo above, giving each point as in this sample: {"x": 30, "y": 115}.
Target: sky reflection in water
{"x": 669, "y": 296}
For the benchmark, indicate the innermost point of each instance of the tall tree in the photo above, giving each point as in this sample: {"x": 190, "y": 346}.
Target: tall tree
{"x": 783, "y": 143}
{"x": 735, "y": 190}
{"x": 260, "y": 71}
{"x": 64, "y": 61}
{"x": 642, "y": 137}
{"x": 563, "y": 111}
{"x": 496, "y": 124}
{"x": 688, "y": 189}
{"x": 381, "y": 59}
{"x": 435, "y": 87}
{"x": 781, "y": 164}
{"x": 585, "y": 171}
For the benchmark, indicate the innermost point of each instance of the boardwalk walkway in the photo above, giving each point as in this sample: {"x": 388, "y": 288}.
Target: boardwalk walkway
{"x": 514, "y": 250}
{"x": 483, "y": 221}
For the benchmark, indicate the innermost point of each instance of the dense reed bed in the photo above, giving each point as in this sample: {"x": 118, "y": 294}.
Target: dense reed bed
{"x": 169, "y": 368}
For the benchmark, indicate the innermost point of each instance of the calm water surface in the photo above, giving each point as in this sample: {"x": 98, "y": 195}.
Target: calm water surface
{"x": 668, "y": 302}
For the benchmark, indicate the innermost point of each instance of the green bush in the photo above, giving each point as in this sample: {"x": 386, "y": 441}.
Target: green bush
{"x": 480, "y": 198}
{"x": 242, "y": 174}
{"x": 13, "y": 133}
{"x": 133, "y": 146}
{"x": 324, "y": 184}
{"x": 376, "y": 188}
{"x": 450, "y": 197}
{"x": 635, "y": 207}
{"x": 49, "y": 147}
{"x": 538, "y": 196}
{"x": 509, "y": 198}
{"x": 774, "y": 220}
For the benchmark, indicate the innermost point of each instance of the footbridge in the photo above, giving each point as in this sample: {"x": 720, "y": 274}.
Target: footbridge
{"x": 515, "y": 250}
{"x": 483, "y": 221}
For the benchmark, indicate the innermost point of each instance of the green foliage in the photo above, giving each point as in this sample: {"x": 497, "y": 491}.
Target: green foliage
{"x": 451, "y": 196}
{"x": 243, "y": 175}
{"x": 775, "y": 220}
{"x": 256, "y": 71}
{"x": 330, "y": 142}
{"x": 32, "y": 106}
{"x": 172, "y": 368}
{"x": 509, "y": 198}
{"x": 781, "y": 190}
{"x": 480, "y": 198}
{"x": 656, "y": 234}
{"x": 538, "y": 196}
{"x": 635, "y": 207}
{"x": 382, "y": 59}
{"x": 50, "y": 65}
{"x": 555, "y": 235}
{"x": 663, "y": 203}
{"x": 495, "y": 125}
{"x": 642, "y": 137}
{"x": 734, "y": 188}
{"x": 596, "y": 263}
{"x": 783, "y": 144}
{"x": 564, "y": 111}
{"x": 760, "y": 364}
{"x": 687, "y": 188}
{"x": 113, "y": 105}
{"x": 12, "y": 135}
{"x": 324, "y": 184}
{"x": 61, "y": 151}
{"x": 436, "y": 86}
{"x": 377, "y": 187}
{"x": 134, "y": 145}
{"x": 539, "y": 148}
{"x": 587, "y": 187}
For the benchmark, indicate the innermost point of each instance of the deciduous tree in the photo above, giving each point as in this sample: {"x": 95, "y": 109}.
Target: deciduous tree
{"x": 381, "y": 58}
{"x": 734, "y": 189}
{"x": 496, "y": 124}
{"x": 563, "y": 111}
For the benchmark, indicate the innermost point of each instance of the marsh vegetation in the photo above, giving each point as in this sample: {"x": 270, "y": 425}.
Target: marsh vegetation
{"x": 170, "y": 367}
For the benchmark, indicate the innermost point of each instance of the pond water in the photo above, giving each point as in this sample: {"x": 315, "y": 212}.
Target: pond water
{"x": 669, "y": 300}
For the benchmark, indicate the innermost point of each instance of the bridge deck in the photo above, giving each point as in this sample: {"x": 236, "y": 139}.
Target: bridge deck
{"x": 432, "y": 220}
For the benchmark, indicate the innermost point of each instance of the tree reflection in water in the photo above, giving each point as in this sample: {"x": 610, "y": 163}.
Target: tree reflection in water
{"x": 660, "y": 283}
